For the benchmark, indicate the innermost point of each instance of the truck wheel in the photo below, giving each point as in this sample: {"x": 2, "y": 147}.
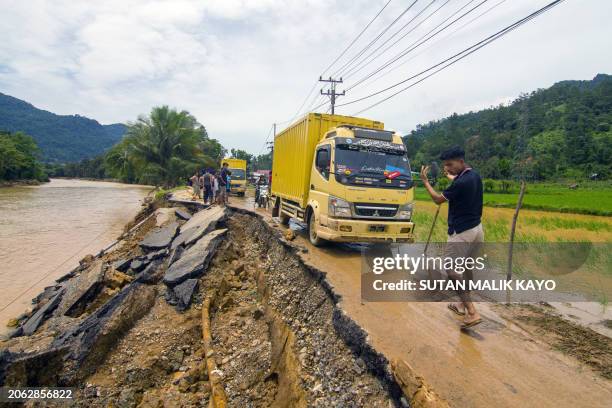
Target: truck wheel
{"x": 312, "y": 232}
{"x": 284, "y": 218}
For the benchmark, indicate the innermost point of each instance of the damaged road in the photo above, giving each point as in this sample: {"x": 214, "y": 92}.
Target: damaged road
{"x": 126, "y": 327}
{"x": 502, "y": 363}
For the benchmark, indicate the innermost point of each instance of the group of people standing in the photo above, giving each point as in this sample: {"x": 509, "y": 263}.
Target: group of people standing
{"x": 211, "y": 185}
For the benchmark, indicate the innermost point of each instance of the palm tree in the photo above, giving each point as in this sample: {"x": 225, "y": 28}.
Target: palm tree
{"x": 164, "y": 146}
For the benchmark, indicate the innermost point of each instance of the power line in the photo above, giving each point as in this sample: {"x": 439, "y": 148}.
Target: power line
{"x": 440, "y": 40}
{"x": 314, "y": 85}
{"x": 266, "y": 141}
{"x": 360, "y": 64}
{"x": 412, "y": 46}
{"x": 466, "y": 52}
{"x": 360, "y": 53}
{"x": 332, "y": 91}
{"x": 355, "y": 39}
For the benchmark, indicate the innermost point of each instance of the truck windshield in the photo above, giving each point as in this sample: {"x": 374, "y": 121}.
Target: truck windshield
{"x": 238, "y": 174}
{"x": 358, "y": 165}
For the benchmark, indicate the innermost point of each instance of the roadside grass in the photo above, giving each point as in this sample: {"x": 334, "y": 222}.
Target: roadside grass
{"x": 162, "y": 192}
{"x": 532, "y": 226}
{"x": 591, "y": 198}
{"x": 592, "y": 276}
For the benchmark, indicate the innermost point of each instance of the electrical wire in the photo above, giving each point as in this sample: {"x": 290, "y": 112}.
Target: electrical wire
{"x": 266, "y": 140}
{"x": 437, "y": 42}
{"x": 314, "y": 86}
{"x": 356, "y": 38}
{"x": 360, "y": 64}
{"x": 412, "y": 46}
{"x": 457, "y": 57}
{"x": 360, "y": 53}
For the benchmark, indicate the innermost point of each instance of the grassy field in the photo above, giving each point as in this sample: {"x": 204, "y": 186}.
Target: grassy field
{"x": 532, "y": 225}
{"x": 590, "y": 198}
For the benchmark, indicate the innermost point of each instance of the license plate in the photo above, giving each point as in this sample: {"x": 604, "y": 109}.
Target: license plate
{"x": 377, "y": 228}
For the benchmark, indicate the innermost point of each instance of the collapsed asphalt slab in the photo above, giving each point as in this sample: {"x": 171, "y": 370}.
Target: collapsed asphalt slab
{"x": 138, "y": 340}
{"x": 76, "y": 322}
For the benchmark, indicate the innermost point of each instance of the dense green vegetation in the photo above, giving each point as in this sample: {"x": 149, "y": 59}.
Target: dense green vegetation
{"x": 254, "y": 162}
{"x": 61, "y": 138}
{"x": 19, "y": 158}
{"x": 560, "y": 132}
{"x": 589, "y": 197}
{"x": 162, "y": 149}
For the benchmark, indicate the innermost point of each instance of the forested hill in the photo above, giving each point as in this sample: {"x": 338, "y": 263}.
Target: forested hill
{"x": 562, "y": 131}
{"x": 61, "y": 138}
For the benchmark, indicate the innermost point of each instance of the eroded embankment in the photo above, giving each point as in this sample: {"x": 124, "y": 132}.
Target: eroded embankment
{"x": 279, "y": 338}
{"x": 278, "y": 335}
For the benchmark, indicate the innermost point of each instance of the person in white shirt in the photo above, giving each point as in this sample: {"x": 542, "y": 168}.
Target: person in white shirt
{"x": 215, "y": 187}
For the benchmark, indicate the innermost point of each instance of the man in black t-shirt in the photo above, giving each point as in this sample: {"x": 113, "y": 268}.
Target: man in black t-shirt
{"x": 465, "y": 234}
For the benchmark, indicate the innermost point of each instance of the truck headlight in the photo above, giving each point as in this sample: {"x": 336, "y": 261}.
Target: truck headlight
{"x": 338, "y": 207}
{"x": 405, "y": 211}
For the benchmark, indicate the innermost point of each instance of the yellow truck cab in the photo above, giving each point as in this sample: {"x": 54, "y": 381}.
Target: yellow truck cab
{"x": 346, "y": 177}
{"x": 238, "y": 177}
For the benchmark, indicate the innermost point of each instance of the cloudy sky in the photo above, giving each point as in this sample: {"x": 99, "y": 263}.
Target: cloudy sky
{"x": 240, "y": 65}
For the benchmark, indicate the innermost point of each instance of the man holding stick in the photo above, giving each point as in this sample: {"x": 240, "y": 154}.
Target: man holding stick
{"x": 465, "y": 234}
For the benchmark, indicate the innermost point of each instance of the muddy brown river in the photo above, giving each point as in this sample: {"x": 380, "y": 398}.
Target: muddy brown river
{"x": 45, "y": 230}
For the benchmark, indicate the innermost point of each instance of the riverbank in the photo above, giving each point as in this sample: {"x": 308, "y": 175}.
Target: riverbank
{"x": 47, "y": 229}
{"x": 164, "y": 318}
{"x": 14, "y": 183}
{"x": 130, "y": 325}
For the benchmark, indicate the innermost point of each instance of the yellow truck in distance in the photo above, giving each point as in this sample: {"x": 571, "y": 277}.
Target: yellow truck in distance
{"x": 346, "y": 177}
{"x": 238, "y": 177}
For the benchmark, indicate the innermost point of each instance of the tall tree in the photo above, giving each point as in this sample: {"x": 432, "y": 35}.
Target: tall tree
{"x": 164, "y": 145}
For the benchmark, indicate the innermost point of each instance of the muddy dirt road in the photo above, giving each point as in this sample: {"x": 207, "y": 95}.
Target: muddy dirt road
{"x": 504, "y": 363}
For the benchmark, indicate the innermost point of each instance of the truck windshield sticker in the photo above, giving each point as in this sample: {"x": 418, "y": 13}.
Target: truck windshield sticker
{"x": 379, "y": 145}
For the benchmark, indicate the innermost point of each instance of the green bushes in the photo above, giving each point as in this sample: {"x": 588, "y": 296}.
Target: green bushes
{"x": 19, "y": 158}
{"x": 500, "y": 186}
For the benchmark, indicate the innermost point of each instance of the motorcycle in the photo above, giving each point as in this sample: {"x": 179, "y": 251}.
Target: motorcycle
{"x": 262, "y": 196}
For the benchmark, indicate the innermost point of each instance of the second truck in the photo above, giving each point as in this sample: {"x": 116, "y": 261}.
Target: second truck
{"x": 238, "y": 169}
{"x": 346, "y": 177}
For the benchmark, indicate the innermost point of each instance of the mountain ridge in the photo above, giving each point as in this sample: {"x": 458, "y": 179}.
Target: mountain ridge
{"x": 561, "y": 131}
{"x": 61, "y": 138}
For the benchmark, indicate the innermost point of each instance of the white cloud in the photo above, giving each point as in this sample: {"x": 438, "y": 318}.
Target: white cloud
{"x": 239, "y": 65}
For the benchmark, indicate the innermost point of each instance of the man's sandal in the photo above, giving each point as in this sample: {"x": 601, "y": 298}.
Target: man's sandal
{"x": 471, "y": 324}
{"x": 453, "y": 308}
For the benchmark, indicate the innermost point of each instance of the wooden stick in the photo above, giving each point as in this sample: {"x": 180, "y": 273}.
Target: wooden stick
{"x": 433, "y": 224}
{"x": 218, "y": 397}
{"x": 513, "y": 229}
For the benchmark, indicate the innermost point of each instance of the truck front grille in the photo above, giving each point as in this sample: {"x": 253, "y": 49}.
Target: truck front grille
{"x": 375, "y": 210}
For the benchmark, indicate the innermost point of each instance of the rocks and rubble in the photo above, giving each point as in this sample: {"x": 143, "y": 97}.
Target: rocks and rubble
{"x": 276, "y": 328}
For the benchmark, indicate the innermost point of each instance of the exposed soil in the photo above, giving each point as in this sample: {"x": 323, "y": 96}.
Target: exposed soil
{"x": 582, "y": 343}
{"x": 279, "y": 339}
{"x": 275, "y": 330}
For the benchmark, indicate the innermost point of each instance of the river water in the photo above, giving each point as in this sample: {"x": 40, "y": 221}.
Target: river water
{"x": 45, "y": 230}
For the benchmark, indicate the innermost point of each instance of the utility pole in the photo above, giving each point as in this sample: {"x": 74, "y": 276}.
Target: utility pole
{"x": 332, "y": 91}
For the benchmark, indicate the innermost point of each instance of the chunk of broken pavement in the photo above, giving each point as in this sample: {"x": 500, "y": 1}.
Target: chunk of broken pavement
{"x": 122, "y": 264}
{"x": 194, "y": 260}
{"x": 42, "y": 314}
{"x": 183, "y": 292}
{"x": 184, "y": 215}
{"x": 160, "y": 238}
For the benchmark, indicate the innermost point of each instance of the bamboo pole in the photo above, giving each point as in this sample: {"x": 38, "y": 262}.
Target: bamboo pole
{"x": 433, "y": 224}
{"x": 513, "y": 229}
